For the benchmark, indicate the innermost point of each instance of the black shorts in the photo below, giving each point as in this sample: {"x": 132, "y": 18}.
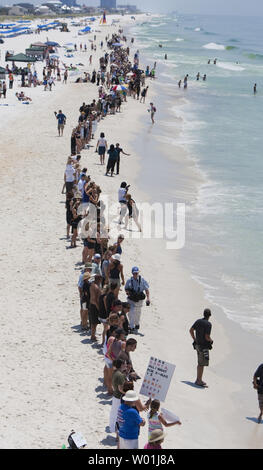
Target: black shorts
{"x": 93, "y": 315}
{"x": 69, "y": 186}
{"x": 89, "y": 245}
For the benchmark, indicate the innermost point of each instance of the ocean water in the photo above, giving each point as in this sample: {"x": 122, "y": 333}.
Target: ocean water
{"x": 221, "y": 130}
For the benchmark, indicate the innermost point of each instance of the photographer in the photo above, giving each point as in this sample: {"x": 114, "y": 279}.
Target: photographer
{"x": 200, "y": 332}
{"x": 135, "y": 287}
{"x": 122, "y": 200}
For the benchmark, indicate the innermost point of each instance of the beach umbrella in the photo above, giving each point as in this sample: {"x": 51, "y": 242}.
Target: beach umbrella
{"x": 117, "y": 44}
{"x": 130, "y": 74}
{"x": 55, "y": 56}
{"x": 120, "y": 88}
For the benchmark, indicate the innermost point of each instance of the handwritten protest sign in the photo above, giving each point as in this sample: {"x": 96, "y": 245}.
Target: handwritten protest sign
{"x": 157, "y": 379}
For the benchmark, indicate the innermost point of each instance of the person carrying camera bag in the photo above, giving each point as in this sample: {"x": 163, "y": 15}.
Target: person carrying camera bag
{"x": 137, "y": 289}
{"x": 200, "y": 332}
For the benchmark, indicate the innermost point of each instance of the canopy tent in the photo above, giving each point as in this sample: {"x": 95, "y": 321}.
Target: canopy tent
{"x": 20, "y": 58}
{"x": 52, "y": 43}
{"x": 2, "y": 73}
{"x": 39, "y": 44}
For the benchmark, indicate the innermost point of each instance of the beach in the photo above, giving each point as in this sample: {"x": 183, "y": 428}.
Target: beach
{"x": 51, "y": 379}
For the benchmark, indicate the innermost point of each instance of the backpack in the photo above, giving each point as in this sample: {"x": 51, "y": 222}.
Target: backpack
{"x": 154, "y": 109}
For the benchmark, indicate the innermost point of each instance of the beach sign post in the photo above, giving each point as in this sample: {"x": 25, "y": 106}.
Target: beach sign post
{"x": 157, "y": 379}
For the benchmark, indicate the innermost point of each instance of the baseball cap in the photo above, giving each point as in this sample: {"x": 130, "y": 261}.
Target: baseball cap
{"x": 135, "y": 269}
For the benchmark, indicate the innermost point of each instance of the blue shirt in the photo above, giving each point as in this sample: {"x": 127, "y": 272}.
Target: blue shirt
{"x": 61, "y": 118}
{"x": 134, "y": 284}
{"x": 129, "y": 422}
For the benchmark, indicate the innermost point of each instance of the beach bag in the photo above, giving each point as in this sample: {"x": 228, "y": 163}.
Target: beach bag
{"x": 154, "y": 109}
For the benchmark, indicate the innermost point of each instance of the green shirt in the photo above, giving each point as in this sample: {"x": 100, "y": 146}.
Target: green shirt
{"x": 118, "y": 378}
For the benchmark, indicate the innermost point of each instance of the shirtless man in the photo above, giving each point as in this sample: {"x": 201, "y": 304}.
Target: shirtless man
{"x": 95, "y": 292}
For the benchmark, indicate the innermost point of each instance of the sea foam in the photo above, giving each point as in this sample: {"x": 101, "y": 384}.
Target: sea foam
{"x": 214, "y": 46}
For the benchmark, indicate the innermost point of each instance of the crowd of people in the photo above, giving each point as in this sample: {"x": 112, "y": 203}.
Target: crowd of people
{"x": 102, "y": 280}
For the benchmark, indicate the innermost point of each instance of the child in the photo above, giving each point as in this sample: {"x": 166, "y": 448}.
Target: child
{"x": 155, "y": 440}
{"x": 156, "y": 420}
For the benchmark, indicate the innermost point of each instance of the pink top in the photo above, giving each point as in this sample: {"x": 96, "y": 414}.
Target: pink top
{"x": 151, "y": 446}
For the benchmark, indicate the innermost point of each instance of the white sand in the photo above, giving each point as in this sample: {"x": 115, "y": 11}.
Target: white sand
{"x": 51, "y": 375}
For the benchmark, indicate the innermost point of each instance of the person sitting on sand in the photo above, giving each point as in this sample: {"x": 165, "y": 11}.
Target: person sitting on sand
{"x": 21, "y": 97}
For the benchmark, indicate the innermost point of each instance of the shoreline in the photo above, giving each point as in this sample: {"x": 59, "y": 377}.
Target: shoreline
{"x": 55, "y": 365}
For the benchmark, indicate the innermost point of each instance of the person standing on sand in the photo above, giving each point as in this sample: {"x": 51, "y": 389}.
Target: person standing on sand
{"x": 119, "y": 151}
{"x": 133, "y": 213}
{"x": 156, "y": 419}
{"x": 129, "y": 421}
{"x": 101, "y": 147}
{"x": 258, "y": 385}
{"x": 155, "y": 440}
{"x": 113, "y": 156}
{"x": 152, "y": 110}
{"x": 95, "y": 293}
{"x": 135, "y": 287}
{"x": 200, "y": 332}
{"x": 118, "y": 378}
{"x": 65, "y": 77}
{"x": 61, "y": 122}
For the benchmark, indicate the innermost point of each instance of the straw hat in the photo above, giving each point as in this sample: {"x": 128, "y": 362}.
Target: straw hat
{"x": 156, "y": 435}
{"x": 130, "y": 395}
{"x": 78, "y": 195}
{"x": 86, "y": 276}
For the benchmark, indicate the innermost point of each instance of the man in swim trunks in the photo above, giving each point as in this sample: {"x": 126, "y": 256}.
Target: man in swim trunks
{"x": 200, "y": 332}
{"x": 95, "y": 292}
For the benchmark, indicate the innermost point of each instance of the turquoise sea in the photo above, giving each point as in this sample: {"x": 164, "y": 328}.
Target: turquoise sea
{"x": 221, "y": 130}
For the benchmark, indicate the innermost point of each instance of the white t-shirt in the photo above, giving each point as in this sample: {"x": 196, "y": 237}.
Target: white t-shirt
{"x": 102, "y": 142}
{"x": 70, "y": 172}
{"x": 81, "y": 184}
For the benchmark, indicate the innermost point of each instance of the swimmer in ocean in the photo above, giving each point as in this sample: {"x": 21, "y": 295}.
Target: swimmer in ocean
{"x": 215, "y": 61}
{"x": 204, "y": 77}
{"x": 179, "y": 83}
{"x": 255, "y": 88}
{"x": 165, "y": 56}
{"x": 198, "y": 76}
{"x": 208, "y": 61}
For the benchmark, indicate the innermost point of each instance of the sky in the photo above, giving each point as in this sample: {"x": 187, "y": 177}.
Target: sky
{"x": 218, "y": 7}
